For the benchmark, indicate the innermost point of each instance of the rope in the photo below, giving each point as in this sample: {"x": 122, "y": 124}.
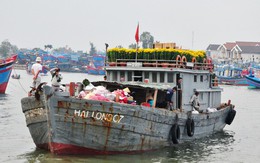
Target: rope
{"x": 20, "y": 83}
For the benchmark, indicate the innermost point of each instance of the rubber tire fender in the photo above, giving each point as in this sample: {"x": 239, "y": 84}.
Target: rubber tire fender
{"x": 230, "y": 117}
{"x": 175, "y": 133}
{"x": 190, "y": 127}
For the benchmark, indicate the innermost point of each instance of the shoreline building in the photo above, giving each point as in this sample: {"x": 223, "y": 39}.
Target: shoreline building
{"x": 239, "y": 51}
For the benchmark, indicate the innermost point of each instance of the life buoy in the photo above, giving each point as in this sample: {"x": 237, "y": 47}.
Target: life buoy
{"x": 190, "y": 127}
{"x": 210, "y": 65}
{"x": 178, "y": 61}
{"x": 230, "y": 117}
{"x": 175, "y": 133}
{"x": 216, "y": 81}
{"x": 194, "y": 61}
{"x": 183, "y": 61}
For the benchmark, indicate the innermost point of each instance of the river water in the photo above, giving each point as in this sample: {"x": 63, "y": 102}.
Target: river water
{"x": 239, "y": 142}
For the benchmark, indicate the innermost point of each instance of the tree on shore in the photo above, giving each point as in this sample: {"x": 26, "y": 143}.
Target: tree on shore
{"x": 7, "y": 49}
{"x": 46, "y": 47}
{"x": 147, "y": 40}
{"x": 92, "y": 49}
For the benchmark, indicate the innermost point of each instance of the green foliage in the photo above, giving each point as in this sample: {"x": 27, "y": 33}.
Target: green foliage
{"x": 92, "y": 49}
{"x": 85, "y": 82}
{"x": 48, "y": 46}
{"x": 147, "y": 40}
{"x": 7, "y": 49}
{"x": 154, "y": 54}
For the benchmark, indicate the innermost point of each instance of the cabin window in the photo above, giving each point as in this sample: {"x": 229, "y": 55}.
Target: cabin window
{"x": 108, "y": 75}
{"x": 162, "y": 77}
{"x": 129, "y": 76}
{"x": 154, "y": 76}
{"x": 170, "y": 77}
{"x": 146, "y": 75}
{"x": 122, "y": 76}
{"x": 138, "y": 76}
{"x": 201, "y": 78}
{"x": 114, "y": 76}
{"x": 195, "y": 78}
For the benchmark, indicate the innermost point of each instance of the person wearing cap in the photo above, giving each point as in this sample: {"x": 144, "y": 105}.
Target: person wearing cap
{"x": 56, "y": 79}
{"x": 36, "y": 69}
{"x": 195, "y": 103}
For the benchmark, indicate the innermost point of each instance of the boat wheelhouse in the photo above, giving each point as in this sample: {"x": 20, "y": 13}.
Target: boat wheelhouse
{"x": 195, "y": 77}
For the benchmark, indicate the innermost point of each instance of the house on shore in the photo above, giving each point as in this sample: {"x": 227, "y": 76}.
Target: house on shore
{"x": 239, "y": 51}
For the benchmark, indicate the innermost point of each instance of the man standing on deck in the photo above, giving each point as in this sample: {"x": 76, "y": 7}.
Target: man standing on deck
{"x": 179, "y": 92}
{"x": 36, "y": 69}
{"x": 170, "y": 98}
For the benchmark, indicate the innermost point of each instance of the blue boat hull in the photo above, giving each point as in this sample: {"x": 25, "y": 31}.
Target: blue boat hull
{"x": 232, "y": 81}
{"x": 101, "y": 72}
{"x": 5, "y": 73}
{"x": 96, "y": 71}
{"x": 93, "y": 72}
{"x": 253, "y": 81}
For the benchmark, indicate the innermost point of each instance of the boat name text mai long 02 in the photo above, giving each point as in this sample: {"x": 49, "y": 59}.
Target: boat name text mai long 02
{"x": 99, "y": 116}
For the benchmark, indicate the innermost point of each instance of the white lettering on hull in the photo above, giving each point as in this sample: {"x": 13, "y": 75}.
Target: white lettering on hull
{"x": 116, "y": 118}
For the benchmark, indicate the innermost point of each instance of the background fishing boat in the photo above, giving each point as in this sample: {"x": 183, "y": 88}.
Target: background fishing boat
{"x": 231, "y": 75}
{"x": 253, "y": 79}
{"x": 96, "y": 65}
{"x": 6, "y": 66}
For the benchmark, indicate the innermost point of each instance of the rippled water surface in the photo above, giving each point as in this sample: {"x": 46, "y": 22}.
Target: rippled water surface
{"x": 239, "y": 142}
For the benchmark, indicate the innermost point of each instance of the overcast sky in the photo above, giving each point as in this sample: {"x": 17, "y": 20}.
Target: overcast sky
{"x": 35, "y": 23}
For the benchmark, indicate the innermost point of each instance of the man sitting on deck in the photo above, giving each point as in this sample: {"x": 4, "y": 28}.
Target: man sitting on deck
{"x": 195, "y": 102}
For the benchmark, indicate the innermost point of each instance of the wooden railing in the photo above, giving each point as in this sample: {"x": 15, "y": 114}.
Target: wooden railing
{"x": 163, "y": 64}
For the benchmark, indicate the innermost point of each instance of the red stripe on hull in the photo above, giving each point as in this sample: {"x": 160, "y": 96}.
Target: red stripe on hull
{"x": 67, "y": 149}
{"x": 3, "y": 87}
{"x": 4, "y": 70}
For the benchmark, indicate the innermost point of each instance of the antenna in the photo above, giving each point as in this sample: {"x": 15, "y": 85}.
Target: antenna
{"x": 192, "y": 40}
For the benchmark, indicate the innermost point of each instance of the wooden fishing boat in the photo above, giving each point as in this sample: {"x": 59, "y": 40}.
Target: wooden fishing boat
{"x": 63, "y": 123}
{"x": 230, "y": 75}
{"x": 6, "y": 66}
{"x": 96, "y": 66}
{"x": 253, "y": 80}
